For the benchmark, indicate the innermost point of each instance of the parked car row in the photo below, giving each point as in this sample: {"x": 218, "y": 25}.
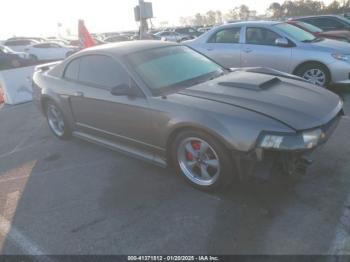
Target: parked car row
{"x": 20, "y": 51}
{"x": 304, "y": 46}
{"x": 178, "y": 35}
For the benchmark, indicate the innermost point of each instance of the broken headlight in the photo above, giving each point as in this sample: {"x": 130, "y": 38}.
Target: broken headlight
{"x": 303, "y": 140}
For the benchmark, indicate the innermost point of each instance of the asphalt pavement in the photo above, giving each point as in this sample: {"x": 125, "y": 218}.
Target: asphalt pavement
{"x": 72, "y": 197}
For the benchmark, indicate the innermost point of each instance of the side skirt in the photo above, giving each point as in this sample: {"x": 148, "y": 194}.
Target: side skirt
{"x": 139, "y": 154}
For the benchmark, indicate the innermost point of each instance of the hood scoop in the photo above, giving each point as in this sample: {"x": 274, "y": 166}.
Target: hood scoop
{"x": 251, "y": 81}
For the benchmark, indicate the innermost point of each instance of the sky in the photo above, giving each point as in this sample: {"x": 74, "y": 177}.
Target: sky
{"x": 40, "y": 17}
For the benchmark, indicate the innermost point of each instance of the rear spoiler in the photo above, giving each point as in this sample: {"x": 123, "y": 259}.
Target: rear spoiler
{"x": 47, "y": 66}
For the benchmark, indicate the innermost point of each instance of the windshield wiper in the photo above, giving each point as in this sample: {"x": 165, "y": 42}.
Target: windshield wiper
{"x": 188, "y": 83}
{"x": 216, "y": 76}
{"x": 316, "y": 39}
{"x": 208, "y": 79}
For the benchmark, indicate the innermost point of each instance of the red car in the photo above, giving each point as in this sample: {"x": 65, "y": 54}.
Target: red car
{"x": 341, "y": 35}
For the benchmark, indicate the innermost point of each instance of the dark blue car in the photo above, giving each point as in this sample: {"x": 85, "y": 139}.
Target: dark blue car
{"x": 11, "y": 59}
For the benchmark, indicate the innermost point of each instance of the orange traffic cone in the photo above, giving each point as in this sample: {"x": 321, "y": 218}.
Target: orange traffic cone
{"x": 2, "y": 97}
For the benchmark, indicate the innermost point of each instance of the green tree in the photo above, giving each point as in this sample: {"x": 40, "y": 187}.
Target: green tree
{"x": 218, "y": 17}
{"x": 243, "y": 12}
{"x": 275, "y": 10}
{"x": 199, "y": 20}
{"x": 210, "y": 17}
{"x": 232, "y": 15}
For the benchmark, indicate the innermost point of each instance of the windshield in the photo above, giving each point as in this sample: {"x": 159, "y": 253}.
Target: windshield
{"x": 296, "y": 33}
{"x": 345, "y": 19}
{"x": 309, "y": 27}
{"x": 5, "y": 49}
{"x": 170, "y": 68}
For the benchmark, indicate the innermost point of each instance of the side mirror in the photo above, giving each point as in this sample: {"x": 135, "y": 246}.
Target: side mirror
{"x": 282, "y": 42}
{"x": 123, "y": 90}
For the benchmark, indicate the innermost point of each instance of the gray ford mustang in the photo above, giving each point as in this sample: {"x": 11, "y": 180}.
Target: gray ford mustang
{"x": 168, "y": 104}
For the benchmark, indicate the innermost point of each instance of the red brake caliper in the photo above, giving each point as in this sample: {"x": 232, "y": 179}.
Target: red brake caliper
{"x": 196, "y": 146}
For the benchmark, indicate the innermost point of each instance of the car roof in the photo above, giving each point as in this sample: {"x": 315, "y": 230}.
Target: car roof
{"x": 252, "y": 23}
{"x": 126, "y": 47}
{"x": 315, "y": 16}
{"x": 117, "y": 50}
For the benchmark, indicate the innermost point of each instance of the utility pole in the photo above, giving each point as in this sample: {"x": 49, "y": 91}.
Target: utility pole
{"x": 143, "y": 12}
{"x": 142, "y": 20}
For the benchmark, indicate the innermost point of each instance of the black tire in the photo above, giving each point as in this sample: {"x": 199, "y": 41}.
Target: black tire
{"x": 312, "y": 65}
{"x": 34, "y": 59}
{"x": 66, "y": 131}
{"x": 226, "y": 174}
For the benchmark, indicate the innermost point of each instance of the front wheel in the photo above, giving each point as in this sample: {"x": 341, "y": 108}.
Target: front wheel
{"x": 202, "y": 160}
{"x": 315, "y": 73}
{"x": 56, "y": 121}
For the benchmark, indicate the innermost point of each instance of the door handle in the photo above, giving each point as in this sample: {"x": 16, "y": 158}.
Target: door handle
{"x": 78, "y": 93}
{"x": 247, "y": 50}
{"x": 209, "y": 49}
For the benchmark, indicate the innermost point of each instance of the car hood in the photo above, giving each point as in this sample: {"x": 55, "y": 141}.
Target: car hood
{"x": 295, "y": 103}
{"x": 336, "y": 33}
{"x": 335, "y": 45}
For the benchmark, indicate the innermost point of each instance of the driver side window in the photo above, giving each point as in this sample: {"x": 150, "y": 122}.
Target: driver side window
{"x": 261, "y": 36}
{"x": 97, "y": 71}
{"x": 101, "y": 72}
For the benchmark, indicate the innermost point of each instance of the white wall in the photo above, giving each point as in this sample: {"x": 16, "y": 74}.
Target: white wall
{"x": 17, "y": 84}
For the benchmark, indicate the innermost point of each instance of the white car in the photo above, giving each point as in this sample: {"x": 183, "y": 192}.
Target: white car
{"x": 49, "y": 51}
{"x": 171, "y": 36}
{"x": 19, "y": 45}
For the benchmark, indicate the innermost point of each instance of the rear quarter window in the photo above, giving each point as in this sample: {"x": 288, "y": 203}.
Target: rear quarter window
{"x": 72, "y": 70}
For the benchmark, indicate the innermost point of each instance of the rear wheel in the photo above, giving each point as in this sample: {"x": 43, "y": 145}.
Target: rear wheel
{"x": 315, "y": 73}
{"x": 201, "y": 160}
{"x": 56, "y": 121}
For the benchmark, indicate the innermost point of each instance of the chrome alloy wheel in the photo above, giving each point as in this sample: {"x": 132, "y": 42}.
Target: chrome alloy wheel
{"x": 315, "y": 76}
{"x": 198, "y": 161}
{"x": 55, "y": 119}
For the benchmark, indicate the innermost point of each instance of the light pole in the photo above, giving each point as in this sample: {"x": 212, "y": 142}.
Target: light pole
{"x": 59, "y": 25}
{"x": 141, "y": 3}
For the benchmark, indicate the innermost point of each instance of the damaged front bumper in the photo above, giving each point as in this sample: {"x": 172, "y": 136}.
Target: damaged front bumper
{"x": 284, "y": 154}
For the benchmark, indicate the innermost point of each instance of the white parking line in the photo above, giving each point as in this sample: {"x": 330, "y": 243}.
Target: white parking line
{"x": 19, "y": 148}
{"x": 341, "y": 241}
{"x": 11, "y": 233}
